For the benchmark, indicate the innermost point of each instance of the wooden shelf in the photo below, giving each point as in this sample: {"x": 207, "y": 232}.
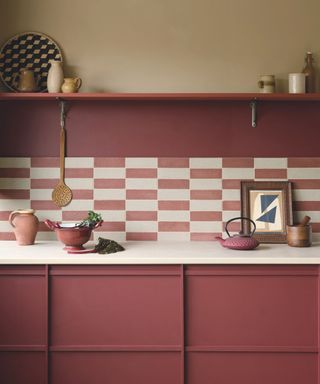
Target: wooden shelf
{"x": 161, "y": 96}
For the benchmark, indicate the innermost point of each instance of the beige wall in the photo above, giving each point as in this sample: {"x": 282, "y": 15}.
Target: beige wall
{"x": 172, "y": 45}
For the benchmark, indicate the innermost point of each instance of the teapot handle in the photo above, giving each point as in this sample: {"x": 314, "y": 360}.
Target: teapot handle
{"x": 241, "y": 218}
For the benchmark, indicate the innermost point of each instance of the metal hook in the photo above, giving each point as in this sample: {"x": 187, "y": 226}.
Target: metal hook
{"x": 63, "y": 113}
{"x": 253, "y": 105}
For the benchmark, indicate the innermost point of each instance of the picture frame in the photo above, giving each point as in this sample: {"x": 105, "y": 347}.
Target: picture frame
{"x": 269, "y": 205}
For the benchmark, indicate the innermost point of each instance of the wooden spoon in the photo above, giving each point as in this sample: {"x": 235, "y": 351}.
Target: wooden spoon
{"x": 62, "y": 194}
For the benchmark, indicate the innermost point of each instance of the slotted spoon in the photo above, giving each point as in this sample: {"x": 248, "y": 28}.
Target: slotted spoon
{"x": 62, "y": 194}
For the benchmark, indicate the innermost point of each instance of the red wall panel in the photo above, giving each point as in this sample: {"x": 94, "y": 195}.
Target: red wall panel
{"x": 161, "y": 128}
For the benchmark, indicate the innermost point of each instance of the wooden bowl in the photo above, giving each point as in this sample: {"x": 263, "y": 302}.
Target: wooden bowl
{"x": 299, "y": 236}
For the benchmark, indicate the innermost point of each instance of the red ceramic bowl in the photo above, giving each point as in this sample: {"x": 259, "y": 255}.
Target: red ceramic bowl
{"x": 72, "y": 238}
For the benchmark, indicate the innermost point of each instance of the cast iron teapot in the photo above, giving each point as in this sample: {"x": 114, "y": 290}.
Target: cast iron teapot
{"x": 240, "y": 241}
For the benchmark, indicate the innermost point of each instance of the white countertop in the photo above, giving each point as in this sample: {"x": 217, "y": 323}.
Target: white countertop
{"x": 142, "y": 252}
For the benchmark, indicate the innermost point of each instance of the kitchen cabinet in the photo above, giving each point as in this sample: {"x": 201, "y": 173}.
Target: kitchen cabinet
{"x": 175, "y": 324}
{"x": 161, "y": 125}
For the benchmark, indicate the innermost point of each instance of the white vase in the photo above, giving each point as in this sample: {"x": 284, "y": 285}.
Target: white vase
{"x": 55, "y": 77}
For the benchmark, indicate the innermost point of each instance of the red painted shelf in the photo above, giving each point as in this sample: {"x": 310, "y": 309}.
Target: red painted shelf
{"x": 162, "y": 96}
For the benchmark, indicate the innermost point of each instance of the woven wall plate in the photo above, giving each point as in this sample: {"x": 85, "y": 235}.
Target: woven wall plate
{"x": 31, "y": 50}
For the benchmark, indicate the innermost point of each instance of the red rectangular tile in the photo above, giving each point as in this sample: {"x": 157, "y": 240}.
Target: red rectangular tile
{"x": 45, "y": 162}
{"x": 74, "y": 215}
{"x": 4, "y": 215}
{"x": 237, "y": 162}
{"x": 231, "y": 205}
{"x": 174, "y": 205}
{"x": 206, "y": 173}
{"x": 305, "y": 183}
{"x": 110, "y": 205}
{"x": 112, "y": 226}
{"x": 234, "y": 226}
{"x": 78, "y": 173}
{"x": 204, "y": 236}
{"x": 44, "y": 183}
{"x": 44, "y": 205}
{"x": 304, "y": 162}
{"x": 173, "y": 226}
{"x": 14, "y": 194}
{"x": 7, "y": 236}
{"x": 231, "y": 183}
{"x": 206, "y": 194}
{"x": 43, "y": 227}
{"x": 141, "y": 236}
{"x": 173, "y": 184}
{"x": 173, "y": 162}
{"x": 141, "y": 194}
{"x": 109, "y": 162}
{"x": 109, "y": 183}
{"x": 82, "y": 194}
{"x": 205, "y": 216}
{"x": 306, "y": 205}
{"x": 141, "y": 216}
{"x": 270, "y": 173}
{"x": 142, "y": 173}
{"x": 15, "y": 172}
{"x": 315, "y": 227}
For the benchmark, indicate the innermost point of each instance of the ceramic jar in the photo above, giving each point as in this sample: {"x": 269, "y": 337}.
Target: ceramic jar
{"x": 55, "y": 77}
{"x": 71, "y": 84}
{"x": 25, "y": 225}
{"x": 267, "y": 84}
{"x": 26, "y": 80}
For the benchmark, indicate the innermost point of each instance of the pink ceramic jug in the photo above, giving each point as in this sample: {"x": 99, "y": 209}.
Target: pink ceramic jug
{"x": 25, "y": 225}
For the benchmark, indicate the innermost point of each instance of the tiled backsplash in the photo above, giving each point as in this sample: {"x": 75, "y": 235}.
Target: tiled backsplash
{"x": 152, "y": 198}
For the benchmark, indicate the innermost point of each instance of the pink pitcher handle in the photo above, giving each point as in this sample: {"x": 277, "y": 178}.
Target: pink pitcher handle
{"x": 12, "y": 216}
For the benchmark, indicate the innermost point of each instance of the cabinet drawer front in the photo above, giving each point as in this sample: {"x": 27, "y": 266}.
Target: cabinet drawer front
{"x": 117, "y": 368}
{"x": 252, "y": 310}
{"x": 115, "y": 310}
{"x": 251, "y": 368}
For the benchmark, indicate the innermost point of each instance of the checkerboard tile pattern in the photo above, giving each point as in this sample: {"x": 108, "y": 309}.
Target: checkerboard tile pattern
{"x": 152, "y": 198}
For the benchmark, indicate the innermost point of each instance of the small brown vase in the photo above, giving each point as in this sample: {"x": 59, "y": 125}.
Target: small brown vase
{"x": 25, "y": 225}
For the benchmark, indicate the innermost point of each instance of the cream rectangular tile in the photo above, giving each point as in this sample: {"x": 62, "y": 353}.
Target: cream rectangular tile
{"x": 13, "y": 183}
{"x": 47, "y": 236}
{"x": 173, "y": 236}
{"x": 315, "y": 215}
{"x": 141, "y": 205}
{"x": 141, "y": 183}
{"x": 316, "y": 237}
{"x": 141, "y": 226}
{"x": 272, "y": 163}
{"x": 205, "y": 205}
{"x": 40, "y": 194}
{"x": 306, "y": 195}
{"x": 109, "y": 194}
{"x": 173, "y": 173}
{"x": 231, "y": 194}
{"x": 206, "y": 162}
{"x": 303, "y": 173}
{"x": 109, "y": 173}
{"x": 141, "y": 162}
{"x": 206, "y": 226}
{"x": 5, "y": 226}
{"x": 173, "y": 216}
{"x": 15, "y": 162}
{"x": 51, "y": 215}
{"x": 116, "y": 236}
{"x": 85, "y": 183}
{"x": 79, "y": 205}
{"x": 79, "y": 162}
{"x": 173, "y": 194}
{"x": 44, "y": 173}
{"x": 227, "y": 215}
{"x": 113, "y": 215}
{"x": 205, "y": 184}
{"x": 11, "y": 205}
{"x": 238, "y": 173}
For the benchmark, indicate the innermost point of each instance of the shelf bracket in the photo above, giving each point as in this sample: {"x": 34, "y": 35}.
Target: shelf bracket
{"x": 253, "y": 106}
{"x": 63, "y": 112}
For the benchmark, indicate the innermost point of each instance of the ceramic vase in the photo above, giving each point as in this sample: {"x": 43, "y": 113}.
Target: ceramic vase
{"x": 55, "y": 77}
{"x": 25, "y": 225}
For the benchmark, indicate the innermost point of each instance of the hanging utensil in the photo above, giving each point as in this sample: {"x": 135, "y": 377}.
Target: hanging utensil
{"x": 62, "y": 194}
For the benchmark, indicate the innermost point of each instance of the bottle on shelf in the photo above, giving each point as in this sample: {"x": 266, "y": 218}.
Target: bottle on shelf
{"x": 310, "y": 73}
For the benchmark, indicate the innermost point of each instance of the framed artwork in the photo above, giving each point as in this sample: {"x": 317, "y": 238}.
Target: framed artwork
{"x": 269, "y": 205}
